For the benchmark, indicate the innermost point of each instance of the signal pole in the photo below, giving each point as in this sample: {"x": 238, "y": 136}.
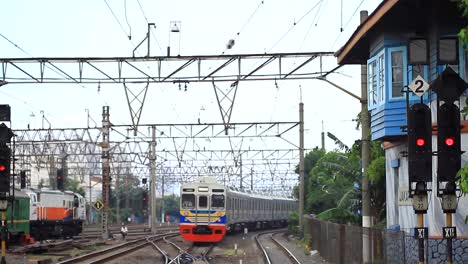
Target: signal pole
{"x": 301, "y": 169}
{"x": 105, "y": 171}
{"x": 5, "y": 174}
{"x": 152, "y": 202}
{"x": 449, "y": 87}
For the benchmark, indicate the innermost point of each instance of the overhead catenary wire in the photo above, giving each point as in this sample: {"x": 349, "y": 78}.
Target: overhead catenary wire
{"x": 349, "y": 20}
{"x": 52, "y": 69}
{"x": 126, "y": 19}
{"x": 118, "y": 21}
{"x": 294, "y": 24}
{"x": 151, "y": 29}
{"x": 246, "y": 23}
{"x": 314, "y": 22}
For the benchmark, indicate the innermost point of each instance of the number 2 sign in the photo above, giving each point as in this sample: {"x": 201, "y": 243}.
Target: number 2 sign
{"x": 419, "y": 86}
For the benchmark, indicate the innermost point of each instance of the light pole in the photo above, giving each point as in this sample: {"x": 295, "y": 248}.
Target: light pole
{"x": 174, "y": 27}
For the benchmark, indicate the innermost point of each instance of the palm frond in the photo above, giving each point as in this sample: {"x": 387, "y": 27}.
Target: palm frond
{"x": 346, "y": 199}
{"x": 341, "y": 145}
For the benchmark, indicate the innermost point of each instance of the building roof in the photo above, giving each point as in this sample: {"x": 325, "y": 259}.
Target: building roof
{"x": 357, "y": 46}
{"x": 396, "y": 17}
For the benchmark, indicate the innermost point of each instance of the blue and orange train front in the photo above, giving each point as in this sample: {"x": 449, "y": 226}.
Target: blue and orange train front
{"x": 202, "y": 225}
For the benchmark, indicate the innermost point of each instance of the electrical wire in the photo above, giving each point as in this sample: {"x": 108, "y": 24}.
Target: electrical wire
{"x": 52, "y": 69}
{"x": 314, "y": 22}
{"x": 294, "y": 24}
{"x": 118, "y": 21}
{"x": 349, "y": 20}
{"x": 18, "y": 47}
{"x": 246, "y": 23}
{"x": 126, "y": 19}
{"x": 151, "y": 29}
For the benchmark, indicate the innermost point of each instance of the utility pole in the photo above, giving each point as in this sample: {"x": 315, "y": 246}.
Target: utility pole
{"x": 105, "y": 171}
{"x": 301, "y": 168}
{"x": 323, "y": 137}
{"x": 240, "y": 172}
{"x": 152, "y": 202}
{"x": 366, "y": 217}
{"x": 117, "y": 193}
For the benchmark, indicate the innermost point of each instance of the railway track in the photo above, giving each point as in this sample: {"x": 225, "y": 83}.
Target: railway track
{"x": 111, "y": 253}
{"x": 190, "y": 255}
{"x": 267, "y": 256}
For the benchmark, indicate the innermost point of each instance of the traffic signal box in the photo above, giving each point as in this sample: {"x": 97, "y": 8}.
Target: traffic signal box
{"x": 419, "y": 143}
{"x": 60, "y": 179}
{"x": 5, "y": 158}
{"x": 448, "y": 86}
{"x": 22, "y": 179}
{"x": 145, "y": 199}
{"x": 448, "y": 142}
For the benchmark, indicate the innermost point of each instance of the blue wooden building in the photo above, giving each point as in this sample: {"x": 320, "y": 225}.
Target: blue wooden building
{"x": 400, "y": 40}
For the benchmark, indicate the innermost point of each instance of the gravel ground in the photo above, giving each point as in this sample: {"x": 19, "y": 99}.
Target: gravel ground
{"x": 291, "y": 243}
{"x": 223, "y": 253}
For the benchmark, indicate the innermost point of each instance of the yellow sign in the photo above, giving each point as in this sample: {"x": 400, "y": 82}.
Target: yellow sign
{"x": 98, "y": 205}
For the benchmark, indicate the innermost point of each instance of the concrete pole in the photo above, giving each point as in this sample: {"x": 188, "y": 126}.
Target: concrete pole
{"x": 163, "y": 209}
{"x": 301, "y": 168}
{"x": 152, "y": 202}
{"x": 366, "y": 216}
{"x": 117, "y": 193}
{"x": 105, "y": 171}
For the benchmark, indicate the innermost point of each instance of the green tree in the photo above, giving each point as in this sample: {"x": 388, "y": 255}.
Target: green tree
{"x": 74, "y": 186}
{"x": 310, "y": 160}
{"x": 331, "y": 178}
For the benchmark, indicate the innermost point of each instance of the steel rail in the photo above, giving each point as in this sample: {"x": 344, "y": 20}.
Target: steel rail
{"x": 284, "y": 249}
{"x": 265, "y": 254}
{"x": 132, "y": 246}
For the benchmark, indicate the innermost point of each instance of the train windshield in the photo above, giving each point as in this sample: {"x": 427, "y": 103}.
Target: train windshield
{"x": 188, "y": 201}
{"x": 202, "y": 202}
{"x": 217, "y": 200}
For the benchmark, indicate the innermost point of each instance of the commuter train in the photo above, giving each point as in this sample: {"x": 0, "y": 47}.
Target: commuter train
{"x": 208, "y": 210}
{"x": 44, "y": 214}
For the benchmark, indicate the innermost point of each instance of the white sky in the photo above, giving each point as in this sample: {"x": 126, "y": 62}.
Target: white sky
{"x": 87, "y": 28}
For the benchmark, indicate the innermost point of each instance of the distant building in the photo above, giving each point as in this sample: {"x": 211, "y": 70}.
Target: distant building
{"x": 400, "y": 40}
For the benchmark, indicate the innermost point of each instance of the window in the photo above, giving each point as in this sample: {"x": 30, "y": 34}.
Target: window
{"x": 217, "y": 200}
{"x": 376, "y": 80}
{"x": 202, "y": 202}
{"x": 188, "y": 201}
{"x": 372, "y": 83}
{"x": 397, "y": 73}
{"x": 381, "y": 89}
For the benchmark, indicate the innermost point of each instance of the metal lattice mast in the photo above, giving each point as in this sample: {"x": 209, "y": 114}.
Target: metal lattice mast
{"x": 105, "y": 171}
{"x": 153, "y": 180}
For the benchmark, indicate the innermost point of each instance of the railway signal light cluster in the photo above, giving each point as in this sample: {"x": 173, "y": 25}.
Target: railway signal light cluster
{"x": 22, "y": 179}
{"x": 419, "y": 143}
{"x": 145, "y": 199}
{"x": 60, "y": 179}
{"x": 5, "y": 159}
{"x": 448, "y": 142}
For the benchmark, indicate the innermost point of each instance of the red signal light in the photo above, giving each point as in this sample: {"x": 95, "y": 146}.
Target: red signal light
{"x": 2, "y": 168}
{"x": 59, "y": 177}
{"x": 449, "y": 142}
{"x": 420, "y": 142}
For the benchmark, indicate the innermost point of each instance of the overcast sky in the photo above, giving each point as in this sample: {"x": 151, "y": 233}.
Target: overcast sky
{"x": 88, "y": 28}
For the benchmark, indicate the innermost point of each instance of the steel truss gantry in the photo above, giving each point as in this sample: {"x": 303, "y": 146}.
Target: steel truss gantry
{"x": 140, "y": 72}
{"x": 183, "y": 151}
{"x": 169, "y": 69}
